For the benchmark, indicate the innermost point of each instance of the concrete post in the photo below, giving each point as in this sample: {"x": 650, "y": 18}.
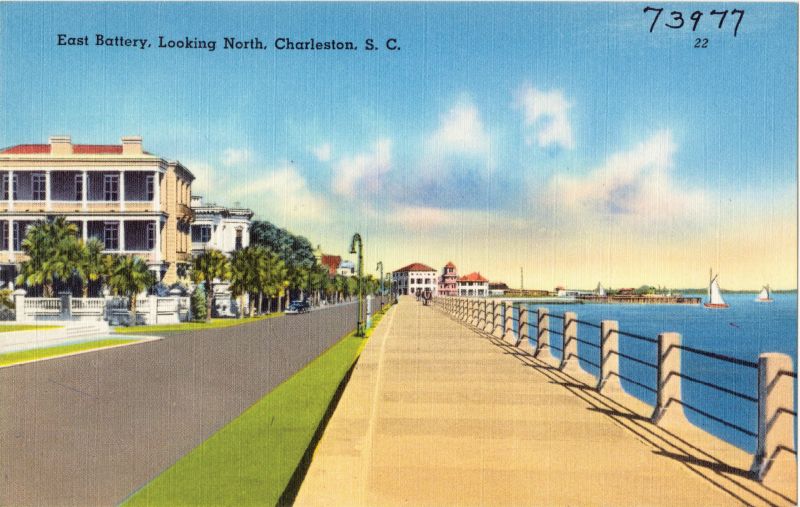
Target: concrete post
{"x": 19, "y": 307}
{"x": 668, "y": 406}
{"x": 523, "y": 329}
{"x": 609, "y": 358}
{"x": 776, "y": 459}
{"x": 543, "y": 351}
{"x": 569, "y": 354}
{"x": 481, "y": 313}
{"x": 509, "y": 327}
{"x": 66, "y": 306}
{"x": 488, "y": 326}
{"x": 499, "y": 327}
{"x": 152, "y": 310}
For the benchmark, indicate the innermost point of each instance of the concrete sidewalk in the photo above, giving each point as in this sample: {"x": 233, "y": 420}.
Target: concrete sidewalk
{"x": 438, "y": 414}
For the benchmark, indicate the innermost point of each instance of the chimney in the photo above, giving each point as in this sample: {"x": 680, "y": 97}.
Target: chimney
{"x": 132, "y": 145}
{"x": 60, "y": 145}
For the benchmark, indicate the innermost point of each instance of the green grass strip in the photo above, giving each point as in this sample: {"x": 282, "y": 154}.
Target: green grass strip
{"x": 24, "y": 327}
{"x": 251, "y": 460}
{"x": 192, "y": 326}
{"x": 59, "y": 350}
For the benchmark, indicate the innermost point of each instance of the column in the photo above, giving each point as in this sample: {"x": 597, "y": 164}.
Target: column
{"x": 775, "y": 461}
{"x": 498, "y": 326}
{"x": 11, "y": 255}
{"x": 121, "y": 236}
{"x": 158, "y": 242}
{"x": 523, "y": 327}
{"x": 47, "y": 189}
{"x": 85, "y": 193}
{"x": 609, "y": 357}
{"x": 668, "y": 405}
{"x": 85, "y": 230}
{"x": 488, "y": 327}
{"x": 121, "y": 192}
{"x": 156, "y": 191}
{"x": 11, "y": 188}
{"x": 543, "y": 351}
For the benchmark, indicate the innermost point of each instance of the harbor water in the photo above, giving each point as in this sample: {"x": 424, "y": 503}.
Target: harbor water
{"x": 743, "y": 331}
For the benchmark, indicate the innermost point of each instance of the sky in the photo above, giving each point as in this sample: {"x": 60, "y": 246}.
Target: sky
{"x": 561, "y": 139}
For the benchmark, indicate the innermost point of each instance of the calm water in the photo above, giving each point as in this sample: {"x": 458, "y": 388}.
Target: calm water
{"x": 744, "y": 330}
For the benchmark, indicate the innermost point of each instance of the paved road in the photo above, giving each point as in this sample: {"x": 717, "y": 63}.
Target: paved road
{"x": 91, "y": 429}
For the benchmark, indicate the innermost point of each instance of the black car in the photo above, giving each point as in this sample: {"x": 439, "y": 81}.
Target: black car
{"x": 298, "y": 307}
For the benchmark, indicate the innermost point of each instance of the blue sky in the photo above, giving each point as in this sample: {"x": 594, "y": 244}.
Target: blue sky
{"x": 562, "y": 138}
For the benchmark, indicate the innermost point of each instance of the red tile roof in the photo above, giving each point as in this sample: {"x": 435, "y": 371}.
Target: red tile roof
{"x": 77, "y": 149}
{"x": 473, "y": 277}
{"x": 450, "y": 265}
{"x": 331, "y": 262}
{"x": 415, "y": 267}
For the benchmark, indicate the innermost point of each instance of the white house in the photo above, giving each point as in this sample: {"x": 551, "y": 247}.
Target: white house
{"x": 415, "y": 279}
{"x": 224, "y": 229}
{"x": 473, "y": 284}
{"x": 220, "y": 228}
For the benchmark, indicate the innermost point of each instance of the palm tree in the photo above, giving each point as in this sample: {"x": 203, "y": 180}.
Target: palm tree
{"x": 94, "y": 266}
{"x": 54, "y": 253}
{"x": 129, "y": 277}
{"x": 247, "y": 274}
{"x": 279, "y": 275}
{"x": 206, "y": 267}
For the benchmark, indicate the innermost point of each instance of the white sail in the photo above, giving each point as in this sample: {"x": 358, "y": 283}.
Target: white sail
{"x": 715, "y": 295}
{"x": 764, "y": 294}
{"x": 600, "y": 290}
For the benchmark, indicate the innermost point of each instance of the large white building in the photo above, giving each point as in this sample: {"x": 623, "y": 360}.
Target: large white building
{"x": 473, "y": 284}
{"x": 415, "y": 279}
{"x": 219, "y": 228}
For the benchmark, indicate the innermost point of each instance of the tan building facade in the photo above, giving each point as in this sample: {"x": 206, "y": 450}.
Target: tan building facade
{"x": 135, "y": 202}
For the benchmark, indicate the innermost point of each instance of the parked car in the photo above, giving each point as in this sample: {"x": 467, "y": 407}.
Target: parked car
{"x": 298, "y": 307}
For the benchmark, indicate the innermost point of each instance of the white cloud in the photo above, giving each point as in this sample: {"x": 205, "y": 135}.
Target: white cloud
{"x": 283, "y": 193}
{"x": 461, "y": 131}
{"x": 363, "y": 171}
{"x": 546, "y": 112}
{"x": 417, "y": 218}
{"x": 234, "y": 156}
{"x": 322, "y": 152}
{"x": 637, "y": 182}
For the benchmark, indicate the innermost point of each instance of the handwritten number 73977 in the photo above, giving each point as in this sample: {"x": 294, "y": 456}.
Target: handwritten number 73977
{"x": 677, "y": 21}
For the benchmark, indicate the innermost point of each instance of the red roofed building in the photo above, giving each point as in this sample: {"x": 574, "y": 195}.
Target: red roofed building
{"x": 331, "y": 262}
{"x": 132, "y": 201}
{"x": 448, "y": 279}
{"x": 473, "y": 284}
{"x": 416, "y": 278}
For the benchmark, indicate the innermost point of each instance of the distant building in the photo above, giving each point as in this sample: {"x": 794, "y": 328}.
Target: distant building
{"x": 448, "y": 280}
{"x": 497, "y": 288}
{"x": 473, "y": 284}
{"x": 414, "y": 279}
{"x": 346, "y": 268}
{"x": 219, "y": 228}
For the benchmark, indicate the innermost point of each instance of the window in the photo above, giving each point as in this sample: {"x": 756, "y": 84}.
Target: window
{"x": 201, "y": 233}
{"x": 111, "y": 235}
{"x": 150, "y": 185}
{"x": 9, "y": 188}
{"x": 111, "y": 187}
{"x": 4, "y": 235}
{"x": 238, "y": 239}
{"x": 151, "y": 235}
{"x": 38, "y": 187}
{"x": 79, "y": 187}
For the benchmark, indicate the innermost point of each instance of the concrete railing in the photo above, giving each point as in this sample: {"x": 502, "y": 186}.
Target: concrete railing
{"x": 150, "y": 310}
{"x": 775, "y": 460}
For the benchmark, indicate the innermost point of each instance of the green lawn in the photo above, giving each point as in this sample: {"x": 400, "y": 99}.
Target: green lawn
{"x": 60, "y": 350}
{"x": 192, "y": 326}
{"x": 251, "y": 460}
{"x": 8, "y": 328}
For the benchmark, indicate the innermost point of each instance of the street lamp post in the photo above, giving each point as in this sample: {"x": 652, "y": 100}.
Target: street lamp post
{"x": 380, "y": 267}
{"x": 360, "y": 322}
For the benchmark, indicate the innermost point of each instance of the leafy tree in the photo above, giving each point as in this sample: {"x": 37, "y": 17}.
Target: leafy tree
{"x": 294, "y": 250}
{"x": 206, "y": 267}
{"x": 129, "y": 277}
{"x": 54, "y": 253}
{"x": 94, "y": 267}
{"x": 198, "y": 302}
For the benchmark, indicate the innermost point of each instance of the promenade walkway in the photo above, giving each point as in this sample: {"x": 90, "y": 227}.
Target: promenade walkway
{"x": 438, "y": 414}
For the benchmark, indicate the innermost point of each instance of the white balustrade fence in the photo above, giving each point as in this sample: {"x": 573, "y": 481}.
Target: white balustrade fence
{"x": 116, "y": 310}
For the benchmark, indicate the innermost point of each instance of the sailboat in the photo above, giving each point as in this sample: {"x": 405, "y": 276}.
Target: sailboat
{"x": 765, "y": 296}
{"x": 714, "y": 295}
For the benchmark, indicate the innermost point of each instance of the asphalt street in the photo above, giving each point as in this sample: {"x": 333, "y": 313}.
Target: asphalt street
{"x": 91, "y": 429}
